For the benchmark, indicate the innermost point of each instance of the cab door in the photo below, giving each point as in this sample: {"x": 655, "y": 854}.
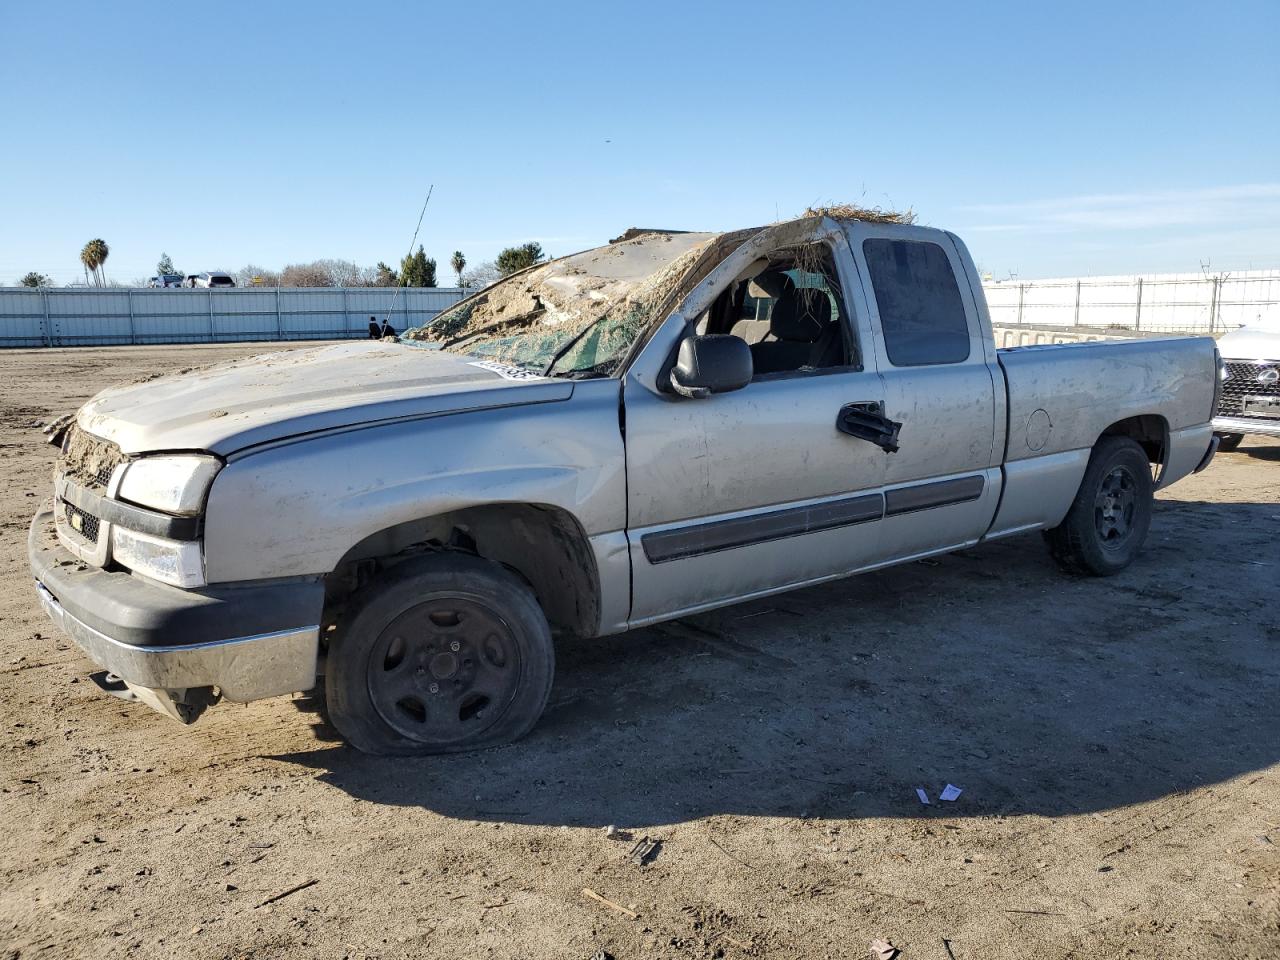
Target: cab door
{"x": 936, "y": 360}
{"x": 743, "y": 493}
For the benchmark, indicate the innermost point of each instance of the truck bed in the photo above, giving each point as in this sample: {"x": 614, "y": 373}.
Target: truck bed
{"x": 1062, "y": 397}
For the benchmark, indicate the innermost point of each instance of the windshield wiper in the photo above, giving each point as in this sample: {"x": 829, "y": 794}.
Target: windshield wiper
{"x": 573, "y": 342}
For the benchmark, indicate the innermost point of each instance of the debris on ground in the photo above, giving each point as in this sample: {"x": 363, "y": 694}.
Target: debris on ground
{"x": 644, "y": 851}
{"x": 883, "y": 950}
{"x": 287, "y": 893}
{"x": 592, "y": 895}
{"x": 924, "y": 797}
{"x": 950, "y": 792}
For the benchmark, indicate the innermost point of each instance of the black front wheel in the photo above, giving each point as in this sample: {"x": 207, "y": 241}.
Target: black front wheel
{"x": 441, "y": 654}
{"x": 1109, "y": 518}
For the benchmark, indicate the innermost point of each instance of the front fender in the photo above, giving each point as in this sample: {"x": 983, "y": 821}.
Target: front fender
{"x": 296, "y": 509}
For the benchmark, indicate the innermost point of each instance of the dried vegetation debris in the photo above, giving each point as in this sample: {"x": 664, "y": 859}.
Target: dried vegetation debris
{"x": 855, "y": 211}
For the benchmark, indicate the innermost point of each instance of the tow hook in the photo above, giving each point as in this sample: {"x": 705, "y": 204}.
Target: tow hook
{"x": 185, "y": 706}
{"x": 108, "y": 682}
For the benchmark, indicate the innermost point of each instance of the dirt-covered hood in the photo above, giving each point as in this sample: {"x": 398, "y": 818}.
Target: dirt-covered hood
{"x": 230, "y": 406}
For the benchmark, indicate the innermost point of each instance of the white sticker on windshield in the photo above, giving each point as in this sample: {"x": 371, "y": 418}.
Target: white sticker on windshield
{"x": 507, "y": 372}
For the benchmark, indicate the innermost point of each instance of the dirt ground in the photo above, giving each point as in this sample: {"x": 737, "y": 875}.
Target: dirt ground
{"x": 1118, "y": 743}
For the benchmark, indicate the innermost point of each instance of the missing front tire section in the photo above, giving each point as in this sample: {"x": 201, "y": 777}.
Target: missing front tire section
{"x": 185, "y": 706}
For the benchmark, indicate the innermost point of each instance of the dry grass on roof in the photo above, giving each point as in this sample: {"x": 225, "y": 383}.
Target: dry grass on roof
{"x": 854, "y": 211}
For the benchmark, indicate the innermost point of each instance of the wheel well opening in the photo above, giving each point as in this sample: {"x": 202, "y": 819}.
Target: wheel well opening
{"x": 544, "y": 545}
{"x": 1150, "y": 431}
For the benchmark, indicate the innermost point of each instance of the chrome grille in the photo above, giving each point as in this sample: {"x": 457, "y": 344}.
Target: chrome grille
{"x": 1242, "y": 381}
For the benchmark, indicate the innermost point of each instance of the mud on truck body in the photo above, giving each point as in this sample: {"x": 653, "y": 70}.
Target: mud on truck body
{"x": 661, "y": 426}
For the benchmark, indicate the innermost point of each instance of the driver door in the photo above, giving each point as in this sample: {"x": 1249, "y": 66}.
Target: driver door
{"x": 743, "y": 493}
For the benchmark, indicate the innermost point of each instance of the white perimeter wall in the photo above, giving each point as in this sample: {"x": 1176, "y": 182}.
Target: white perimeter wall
{"x": 81, "y": 317}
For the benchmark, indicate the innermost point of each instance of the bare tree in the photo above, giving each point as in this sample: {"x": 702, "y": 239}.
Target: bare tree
{"x": 252, "y": 275}
{"x": 305, "y": 275}
{"x": 341, "y": 273}
{"x": 481, "y": 275}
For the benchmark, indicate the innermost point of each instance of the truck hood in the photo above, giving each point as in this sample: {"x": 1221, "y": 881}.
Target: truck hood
{"x": 1256, "y": 342}
{"x": 229, "y": 406}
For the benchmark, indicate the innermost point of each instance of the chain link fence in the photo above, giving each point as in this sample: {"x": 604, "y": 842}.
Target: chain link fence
{"x": 1156, "y": 303}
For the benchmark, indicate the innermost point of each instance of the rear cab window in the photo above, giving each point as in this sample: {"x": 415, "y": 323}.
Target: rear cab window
{"x": 922, "y": 314}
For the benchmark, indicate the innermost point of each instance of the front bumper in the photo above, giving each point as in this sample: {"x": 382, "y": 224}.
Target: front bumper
{"x": 1254, "y": 425}
{"x": 249, "y": 642}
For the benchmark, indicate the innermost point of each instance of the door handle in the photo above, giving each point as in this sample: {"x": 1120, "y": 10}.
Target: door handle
{"x": 867, "y": 421}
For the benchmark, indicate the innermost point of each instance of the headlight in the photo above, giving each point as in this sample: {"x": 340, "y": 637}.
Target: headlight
{"x": 177, "y": 562}
{"x": 173, "y": 484}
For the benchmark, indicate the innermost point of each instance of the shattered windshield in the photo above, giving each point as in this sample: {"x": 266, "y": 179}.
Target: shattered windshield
{"x": 577, "y": 315}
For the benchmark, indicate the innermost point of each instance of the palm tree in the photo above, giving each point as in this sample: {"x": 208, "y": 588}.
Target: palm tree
{"x": 459, "y": 263}
{"x": 86, "y": 259}
{"x": 100, "y": 254}
{"x": 93, "y": 256}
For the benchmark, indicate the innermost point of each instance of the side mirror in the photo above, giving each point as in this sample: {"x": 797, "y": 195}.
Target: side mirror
{"x": 712, "y": 364}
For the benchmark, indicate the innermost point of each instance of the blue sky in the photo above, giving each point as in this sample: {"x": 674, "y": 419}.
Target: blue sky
{"x": 1063, "y": 140}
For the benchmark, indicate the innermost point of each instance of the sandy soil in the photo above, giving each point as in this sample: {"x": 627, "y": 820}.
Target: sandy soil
{"x": 1118, "y": 743}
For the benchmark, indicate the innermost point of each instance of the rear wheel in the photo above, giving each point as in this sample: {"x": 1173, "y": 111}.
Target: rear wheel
{"x": 1229, "y": 441}
{"x": 1109, "y": 518}
{"x": 443, "y": 654}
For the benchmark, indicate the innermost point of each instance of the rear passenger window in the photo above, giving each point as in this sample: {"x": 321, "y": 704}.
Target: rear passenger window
{"x": 921, "y": 312}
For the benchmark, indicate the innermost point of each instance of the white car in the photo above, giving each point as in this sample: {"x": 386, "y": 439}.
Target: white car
{"x": 211, "y": 278}
{"x": 1250, "y": 383}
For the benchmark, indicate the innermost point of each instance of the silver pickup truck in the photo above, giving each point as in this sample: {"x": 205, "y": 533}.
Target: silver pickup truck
{"x": 661, "y": 426}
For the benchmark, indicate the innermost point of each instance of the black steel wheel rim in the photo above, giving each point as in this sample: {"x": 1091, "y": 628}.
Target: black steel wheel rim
{"x": 444, "y": 671}
{"x": 1115, "y": 506}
